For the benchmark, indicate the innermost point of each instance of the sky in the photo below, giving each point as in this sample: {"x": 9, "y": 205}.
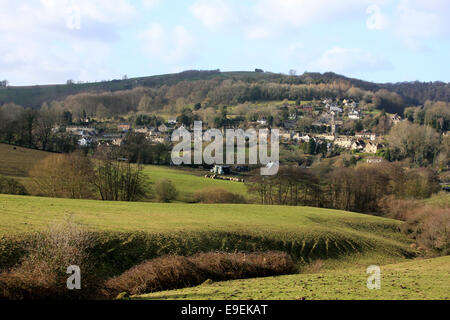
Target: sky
{"x": 51, "y": 41}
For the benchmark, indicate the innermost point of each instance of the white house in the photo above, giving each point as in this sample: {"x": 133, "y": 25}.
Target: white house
{"x": 262, "y": 122}
{"x": 83, "y": 142}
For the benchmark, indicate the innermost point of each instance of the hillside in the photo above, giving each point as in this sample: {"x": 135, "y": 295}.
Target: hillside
{"x": 304, "y": 232}
{"x": 34, "y": 96}
{"x": 419, "y": 279}
{"x": 18, "y": 161}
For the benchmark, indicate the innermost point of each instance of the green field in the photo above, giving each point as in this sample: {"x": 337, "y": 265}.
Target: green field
{"x": 419, "y": 279}
{"x": 187, "y": 183}
{"x": 304, "y": 232}
{"x": 17, "y": 162}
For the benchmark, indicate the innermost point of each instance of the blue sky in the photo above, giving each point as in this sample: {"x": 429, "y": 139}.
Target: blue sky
{"x": 50, "y": 41}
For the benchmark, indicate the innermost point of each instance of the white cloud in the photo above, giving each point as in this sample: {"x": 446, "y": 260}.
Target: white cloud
{"x": 170, "y": 46}
{"x": 266, "y": 18}
{"x": 413, "y": 21}
{"x": 349, "y": 61}
{"x": 212, "y": 13}
{"x": 291, "y": 15}
{"x": 54, "y": 40}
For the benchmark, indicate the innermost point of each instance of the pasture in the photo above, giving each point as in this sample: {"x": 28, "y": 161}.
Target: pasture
{"x": 305, "y": 233}
{"x": 419, "y": 279}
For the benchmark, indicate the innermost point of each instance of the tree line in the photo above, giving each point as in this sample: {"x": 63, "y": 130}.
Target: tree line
{"x": 357, "y": 189}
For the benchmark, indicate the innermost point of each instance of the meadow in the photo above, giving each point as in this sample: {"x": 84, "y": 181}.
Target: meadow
{"x": 155, "y": 229}
{"x": 331, "y": 248}
{"x": 16, "y": 162}
{"x": 187, "y": 182}
{"x": 419, "y": 279}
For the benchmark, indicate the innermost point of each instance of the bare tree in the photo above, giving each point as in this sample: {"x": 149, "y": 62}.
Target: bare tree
{"x": 116, "y": 179}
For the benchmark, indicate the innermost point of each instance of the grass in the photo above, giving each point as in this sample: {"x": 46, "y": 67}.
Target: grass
{"x": 18, "y": 161}
{"x": 419, "y": 279}
{"x": 188, "y": 183}
{"x": 442, "y": 199}
{"x": 305, "y": 233}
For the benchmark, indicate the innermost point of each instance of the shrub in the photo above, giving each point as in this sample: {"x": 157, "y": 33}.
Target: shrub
{"x": 217, "y": 195}
{"x": 63, "y": 176}
{"x": 165, "y": 190}
{"x": 11, "y": 186}
{"x": 430, "y": 228}
{"x": 42, "y": 271}
{"x": 171, "y": 272}
{"x": 428, "y": 225}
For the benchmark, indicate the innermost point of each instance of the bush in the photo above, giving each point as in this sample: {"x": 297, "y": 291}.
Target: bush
{"x": 11, "y": 186}
{"x": 428, "y": 225}
{"x": 218, "y": 195}
{"x": 430, "y": 228}
{"x": 172, "y": 272}
{"x": 41, "y": 273}
{"x": 165, "y": 190}
{"x": 63, "y": 176}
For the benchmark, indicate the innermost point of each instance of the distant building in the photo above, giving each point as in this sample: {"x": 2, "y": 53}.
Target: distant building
{"x": 262, "y": 122}
{"x": 163, "y": 128}
{"x": 336, "y": 109}
{"x": 84, "y": 142}
{"x": 124, "y": 127}
{"x": 220, "y": 169}
{"x": 372, "y": 147}
{"x": 358, "y": 145}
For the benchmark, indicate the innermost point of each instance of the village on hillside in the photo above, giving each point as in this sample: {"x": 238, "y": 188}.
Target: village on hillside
{"x": 326, "y": 133}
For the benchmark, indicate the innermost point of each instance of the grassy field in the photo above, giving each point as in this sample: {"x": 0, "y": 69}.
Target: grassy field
{"x": 188, "y": 183}
{"x": 17, "y": 162}
{"x": 305, "y": 233}
{"x": 419, "y": 279}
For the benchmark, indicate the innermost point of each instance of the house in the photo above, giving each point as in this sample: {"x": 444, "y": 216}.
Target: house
{"x": 344, "y": 142}
{"x": 80, "y": 131}
{"x": 354, "y": 115}
{"x": 328, "y": 137}
{"x": 372, "y": 147}
{"x": 298, "y": 137}
{"x": 307, "y": 109}
{"x": 358, "y": 145}
{"x": 163, "y": 128}
{"x": 366, "y": 135}
{"x": 285, "y": 135}
{"x": 395, "y": 118}
{"x": 84, "y": 142}
{"x": 262, "y": 122}
{"x": 124, "y": 127}
{"x": 142, "y": 130}
{"x": 336, "y": 109}
{"x": 220, "y": 169}
{"x": 117, "y": 142}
